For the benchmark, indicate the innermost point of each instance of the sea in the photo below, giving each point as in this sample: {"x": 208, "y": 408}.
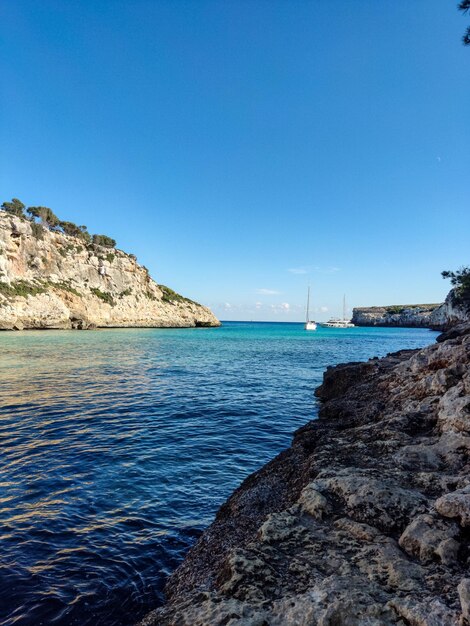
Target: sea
{"x": 118, "y": 446}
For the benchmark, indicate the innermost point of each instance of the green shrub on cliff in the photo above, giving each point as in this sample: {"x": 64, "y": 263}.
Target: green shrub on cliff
{"x": 401, "y": 308}
{"x": 104, "y": 240}
{"x": 15, "y": 207}
{"x": 69, "y": 228}
{"x": 171, "y": 296}
{"x": 37, "y": 230}
{"x": 103, "y": 295}
{"x": 65, "y": 286}
{"x": 464, "y": 6}
{"x": 48, "y": 219}
{"x": 460, "y": 279}
{"x": 45, "y": 214}
{"x": 20, "y": 288}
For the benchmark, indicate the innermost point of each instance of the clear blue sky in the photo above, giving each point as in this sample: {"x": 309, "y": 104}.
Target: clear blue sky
{"x": 243, "y": 149}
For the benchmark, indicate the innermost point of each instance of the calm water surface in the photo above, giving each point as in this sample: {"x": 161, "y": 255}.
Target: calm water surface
{"x": 118, "y": 446}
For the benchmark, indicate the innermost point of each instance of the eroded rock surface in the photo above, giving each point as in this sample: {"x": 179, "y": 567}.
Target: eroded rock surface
{"x": 455, "y": 310}
{"x": 57, "y": 281}
{"x": 364, "y": 520}
{"x": 421, "y": 315}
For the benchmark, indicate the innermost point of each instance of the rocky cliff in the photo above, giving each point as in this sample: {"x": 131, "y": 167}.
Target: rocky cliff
{"x": 52, "y": 280}
{"x": 422, "y": 315}
{"x": 453, "y": 311}
{"x": 364, "y": 520}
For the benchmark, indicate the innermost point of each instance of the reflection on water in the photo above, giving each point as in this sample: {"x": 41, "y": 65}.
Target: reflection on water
{"x": 118, "y": 446}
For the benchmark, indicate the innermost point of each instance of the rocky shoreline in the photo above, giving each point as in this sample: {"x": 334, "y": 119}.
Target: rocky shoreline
{"x": 364, "y": 520}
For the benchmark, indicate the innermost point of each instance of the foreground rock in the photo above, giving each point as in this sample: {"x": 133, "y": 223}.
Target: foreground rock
{"x": 57, "y": 281}
{"x": 364, "y": 520}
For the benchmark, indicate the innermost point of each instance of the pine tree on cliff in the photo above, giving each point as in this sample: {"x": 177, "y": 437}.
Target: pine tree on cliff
{"x": 464, "y": 6}
{"x": 15, "y": 207}
{"x": 45, "y": 214}
{"x": 104, "y": 240}
{"x": 69, "y": 228}
{"x": 460, "y": 280}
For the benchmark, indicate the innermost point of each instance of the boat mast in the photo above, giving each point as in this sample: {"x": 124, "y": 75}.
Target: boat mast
{"x": 344, "y": 306}
{"x": 308, "y": 304}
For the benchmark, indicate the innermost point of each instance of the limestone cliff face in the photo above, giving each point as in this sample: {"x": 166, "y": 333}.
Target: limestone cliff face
{"x": 421, "y": 316}
{"x": 454, "y": 310}
{"x": 57, "y": 281}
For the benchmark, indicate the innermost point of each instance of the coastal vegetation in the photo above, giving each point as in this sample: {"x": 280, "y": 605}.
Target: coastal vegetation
{"x": 459, "y": 279}
{"x": 171, "y": 296}
{"x": 103, "y": 295}
{"x": 69, "y": 228}
{"x": 47, "y": 219}
{"x": 45, "y": 214}
{"x": 24, "y": 288}
{"x": 37, "y": 230}
{"x": 20, "y": 288}
{"x": 400, "y": 308}
{"x": 64, "y": 287}
{"x": 104, "y": 240}
{"x": 464, "y": 6}
{"x": 15, "y": 207}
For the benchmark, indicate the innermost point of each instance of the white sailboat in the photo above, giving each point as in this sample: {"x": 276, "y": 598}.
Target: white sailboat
{"x": 309, "y": 324}
{"x": 339, "y": 323}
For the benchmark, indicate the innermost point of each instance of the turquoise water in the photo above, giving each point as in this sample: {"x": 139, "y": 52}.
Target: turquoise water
{"x": 118, "y": 446}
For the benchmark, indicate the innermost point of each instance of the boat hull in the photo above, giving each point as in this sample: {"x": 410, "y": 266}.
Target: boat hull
{"x": 337, "y": 325}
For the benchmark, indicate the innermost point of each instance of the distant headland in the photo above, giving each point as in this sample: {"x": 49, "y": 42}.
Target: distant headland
{"x": 408, "y": 315}
{"x": 434, "y": 316}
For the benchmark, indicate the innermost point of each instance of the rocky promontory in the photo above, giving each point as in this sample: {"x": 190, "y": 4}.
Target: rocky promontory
{"x": 435, "y": 316}
{"x": 364, "y": 520}
{"x": 407, "y": 315}
{"x": 49, "y": 279}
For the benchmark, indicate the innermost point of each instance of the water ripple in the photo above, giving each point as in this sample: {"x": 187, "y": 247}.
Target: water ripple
{"x": 118, "y": 446}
